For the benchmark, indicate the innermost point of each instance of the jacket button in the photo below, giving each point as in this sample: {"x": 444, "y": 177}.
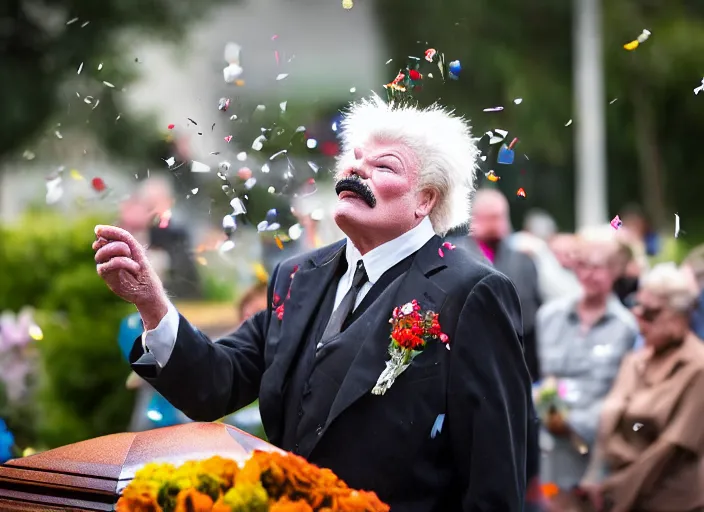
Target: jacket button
{"x": 319, "y": 430}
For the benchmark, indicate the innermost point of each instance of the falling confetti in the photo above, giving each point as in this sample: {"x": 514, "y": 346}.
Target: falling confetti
{"x": 76, "y": 175}
{"x": 170, "y": 161}
{"x": 98, "y": 184}
{"x": 164, "y": 219}
{"x": 493, "y": 109}
{"x": 224, "y": 166}
{"x": 295, "y": 232}
{"x": 643, "y": 37}
{"x": 437, "y": 425}
{"x": 224, "y": 104}
{"x": 279, "y": 243}
{"x": 80, "y": 68}
{"x": 518, "y": 101}
{"x": 231, "y": 73}
{"x": 281, "y": 76}
{"x": 616, "y": 222}
{"x": 455, "y": 67}
{"x": 445, "y": 245}
{"x": 347, "y": 4}
{"x": 108, "y": 84}
{"x": 36, "y": 333}
{"x": 521, "y": 193}
{"x": 699, "y": 89}
{"x": 677, "y": 226}
{"x": 568, "y": 122}
{"x": 199, "y": 167}
{"x": 54, "y": 190}
{"x": 430, "y": 54}
{"x": 244, "y": 173}
{"x": 58, "y": 134}
{"x": 171, "y": 126}
{"x": 506, "y": 155}
{"x": 238, "y": 207}
{"x": 228, "y": 138}
{"x": 491, "y": 176}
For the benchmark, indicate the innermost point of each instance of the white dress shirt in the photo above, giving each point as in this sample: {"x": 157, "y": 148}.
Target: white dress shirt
{"x": 160, "y": 341}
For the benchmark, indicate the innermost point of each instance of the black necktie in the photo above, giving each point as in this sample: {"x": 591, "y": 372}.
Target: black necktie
{"x": 338, "y": 317}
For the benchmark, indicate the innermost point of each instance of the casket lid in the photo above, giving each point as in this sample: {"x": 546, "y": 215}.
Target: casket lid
{"x": 96, "y": 471}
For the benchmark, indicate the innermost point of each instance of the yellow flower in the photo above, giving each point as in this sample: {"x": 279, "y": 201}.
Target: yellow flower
{"x": 244, "y": 497}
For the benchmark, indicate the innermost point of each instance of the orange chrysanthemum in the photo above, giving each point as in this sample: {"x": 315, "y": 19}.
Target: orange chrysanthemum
{"x": 224, "y": 469}
{"x": 285, "y": 505}
{"x": 138, "y": 497}
{"x": 190, "y": 500}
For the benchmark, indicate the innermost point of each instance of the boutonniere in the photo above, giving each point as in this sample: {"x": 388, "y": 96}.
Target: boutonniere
{"x": 411, "y": 331}
{"x": 278, "y": 304}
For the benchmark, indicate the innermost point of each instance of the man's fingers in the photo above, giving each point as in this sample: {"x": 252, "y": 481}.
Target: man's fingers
{"x": 119, "y": 263}
{"x": 113, "y": 233}
{"x": 112, "y": 250}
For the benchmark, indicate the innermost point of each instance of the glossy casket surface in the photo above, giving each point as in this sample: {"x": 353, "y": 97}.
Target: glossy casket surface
{"x": 91, "y": 474}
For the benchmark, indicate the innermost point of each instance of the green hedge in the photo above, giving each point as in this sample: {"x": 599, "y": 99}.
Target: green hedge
{"x": 47, "y": 262}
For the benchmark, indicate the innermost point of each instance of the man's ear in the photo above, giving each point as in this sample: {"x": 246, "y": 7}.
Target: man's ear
{"x": 427, "y": 199}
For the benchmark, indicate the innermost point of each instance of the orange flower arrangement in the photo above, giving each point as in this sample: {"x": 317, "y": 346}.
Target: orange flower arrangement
{"x": 267, "y": 482}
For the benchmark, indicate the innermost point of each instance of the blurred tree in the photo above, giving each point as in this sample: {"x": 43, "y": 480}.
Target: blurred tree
{"x": 66, "y": 62}
{"x": 511, "y": 49}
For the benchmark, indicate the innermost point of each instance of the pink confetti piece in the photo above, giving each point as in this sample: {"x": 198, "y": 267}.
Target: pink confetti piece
{"x": 228, "y": 138}
{"x": 276, "y": 56}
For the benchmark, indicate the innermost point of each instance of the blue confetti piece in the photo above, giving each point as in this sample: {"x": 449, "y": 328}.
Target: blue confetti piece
{"x": 455, "y": 67}
{"x": 437, "y": 426}
{"x": 506, "y": 155}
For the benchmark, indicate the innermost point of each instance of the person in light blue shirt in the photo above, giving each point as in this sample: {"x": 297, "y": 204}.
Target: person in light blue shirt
{"x": 151, "y": 409}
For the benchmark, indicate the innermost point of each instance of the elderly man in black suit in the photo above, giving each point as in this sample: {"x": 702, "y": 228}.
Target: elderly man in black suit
{"x": 445, "y": 430}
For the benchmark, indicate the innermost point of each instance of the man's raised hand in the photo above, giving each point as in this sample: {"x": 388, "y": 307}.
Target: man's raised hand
{"x": 123, "y": 265}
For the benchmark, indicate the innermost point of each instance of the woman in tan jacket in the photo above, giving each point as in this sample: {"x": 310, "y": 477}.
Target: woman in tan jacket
{"x": 648, "y": 456}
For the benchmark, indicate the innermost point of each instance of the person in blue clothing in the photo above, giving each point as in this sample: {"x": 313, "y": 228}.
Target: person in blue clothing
{"x": 7, "y": 443}
{"x": 151, "y": 409}
{"x": 693, "y": 266}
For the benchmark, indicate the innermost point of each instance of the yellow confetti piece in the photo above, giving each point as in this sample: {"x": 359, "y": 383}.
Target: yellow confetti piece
{"x": 201, "y": 261}
{"x": 36, "y": 333}
{"x": 632, "y": 45}
{"x": 279, "y": 243}
{"x": 347, "y": 4}
{"x": 76, "y": 175}
{"x": 28, "y": 451}
{"x": 239, "y": 83}
{"x": 261, "y": 273}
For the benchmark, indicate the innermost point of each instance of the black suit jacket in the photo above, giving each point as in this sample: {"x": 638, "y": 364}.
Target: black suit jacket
{"x": 477, "y": 460}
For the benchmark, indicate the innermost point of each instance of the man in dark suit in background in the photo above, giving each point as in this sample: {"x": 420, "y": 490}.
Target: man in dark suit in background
{"x": 487, "y": 240}
{"x": 451, "y": 432}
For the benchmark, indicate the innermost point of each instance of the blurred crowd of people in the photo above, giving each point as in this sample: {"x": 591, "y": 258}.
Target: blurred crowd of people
{"x": 615, "y": 353}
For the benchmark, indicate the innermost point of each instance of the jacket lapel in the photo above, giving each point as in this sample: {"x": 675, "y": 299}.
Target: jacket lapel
{"x": 307, "y": 288}
{"x": 373, "y": 354}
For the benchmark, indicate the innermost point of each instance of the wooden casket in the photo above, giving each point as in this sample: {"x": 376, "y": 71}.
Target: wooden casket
{"x": 90, "y": 475}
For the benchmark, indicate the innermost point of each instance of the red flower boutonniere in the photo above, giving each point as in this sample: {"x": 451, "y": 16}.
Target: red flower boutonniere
{"x": 411, "y": 331}
{"x": 278, "y": 304}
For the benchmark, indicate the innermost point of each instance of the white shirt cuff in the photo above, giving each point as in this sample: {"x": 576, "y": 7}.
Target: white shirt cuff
{"x": 160, "y": 341}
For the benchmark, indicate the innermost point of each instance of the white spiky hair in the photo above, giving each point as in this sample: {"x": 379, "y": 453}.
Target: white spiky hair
{"x": 441, "y": 140}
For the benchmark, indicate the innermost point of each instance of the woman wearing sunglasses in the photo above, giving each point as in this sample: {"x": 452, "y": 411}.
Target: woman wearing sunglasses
{"x": 648, "y": 455}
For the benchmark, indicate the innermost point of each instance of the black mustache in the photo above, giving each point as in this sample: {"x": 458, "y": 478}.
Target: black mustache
{"x": 356, "y": 186}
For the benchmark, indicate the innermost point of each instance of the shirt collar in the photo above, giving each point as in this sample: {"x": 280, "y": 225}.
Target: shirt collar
{"x": 382, "y": 258}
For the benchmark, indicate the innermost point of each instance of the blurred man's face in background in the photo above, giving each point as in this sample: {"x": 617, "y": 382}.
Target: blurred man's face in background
{"x": 490, "y": 217}
{"x": 596, "y": 268}
{"x": 135, "y": 215}
{"x": 564, "y": 247}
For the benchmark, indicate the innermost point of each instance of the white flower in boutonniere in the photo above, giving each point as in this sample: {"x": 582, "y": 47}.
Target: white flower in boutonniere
{"x": 411, "y": 332}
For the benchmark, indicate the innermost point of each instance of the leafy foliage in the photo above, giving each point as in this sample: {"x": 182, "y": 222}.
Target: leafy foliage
{"x": 81, "y": 392}
{"x": 511, "y": 49}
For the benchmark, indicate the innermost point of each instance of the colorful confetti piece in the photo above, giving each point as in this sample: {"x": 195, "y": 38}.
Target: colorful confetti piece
{"x": 521, "y": 193}
{"x": 347, "y": 4}
{"x": 506, "y": 155}
{"x": 98, "y": 184}
{"x": 279, "y": 243}
{"x": 491, "y": 176}
{"x": 677, "y": 226}
{"x": 699, "y": 89}
{"x": 616, "y": 222}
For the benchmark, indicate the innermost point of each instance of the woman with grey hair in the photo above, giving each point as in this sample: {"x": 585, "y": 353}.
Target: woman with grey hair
{"x": 648, "y": 454}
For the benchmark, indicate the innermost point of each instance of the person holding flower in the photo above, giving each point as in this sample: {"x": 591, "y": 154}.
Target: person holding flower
{"x": 390, "y": 357}
{"x": 649, "y": 453}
